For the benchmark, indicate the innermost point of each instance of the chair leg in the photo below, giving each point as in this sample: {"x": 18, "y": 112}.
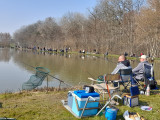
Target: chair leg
{"x": 125, "y": 90}
{"x": 139, "y": 83}
{"x": 125, "y": 87}
{"x": 128, "y": 84}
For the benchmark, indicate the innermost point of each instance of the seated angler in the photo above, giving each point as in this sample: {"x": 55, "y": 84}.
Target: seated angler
{"x": 122, "y": 64}
{"x": 138, "y": 71}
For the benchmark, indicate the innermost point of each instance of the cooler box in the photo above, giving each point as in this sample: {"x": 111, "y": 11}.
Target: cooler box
{"x": 131, "y": 101}
{"x": 81, "y": 97}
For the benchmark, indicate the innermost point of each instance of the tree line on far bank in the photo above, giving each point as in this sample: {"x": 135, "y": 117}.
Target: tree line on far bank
{"x": 115, "y": 26}
{"x": 5, "y": 39}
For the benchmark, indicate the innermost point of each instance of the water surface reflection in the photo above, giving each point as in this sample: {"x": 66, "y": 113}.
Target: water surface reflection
{"x": 74, "y": 69}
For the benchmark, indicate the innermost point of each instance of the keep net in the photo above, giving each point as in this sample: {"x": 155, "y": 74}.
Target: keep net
{"x": 37, "y": 79}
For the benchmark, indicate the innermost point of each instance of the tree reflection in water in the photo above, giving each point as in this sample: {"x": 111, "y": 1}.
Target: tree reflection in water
{"x": 74, "y": 69}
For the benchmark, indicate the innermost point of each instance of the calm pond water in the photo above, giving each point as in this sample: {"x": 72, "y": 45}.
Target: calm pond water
{"x": 74, "y": 69}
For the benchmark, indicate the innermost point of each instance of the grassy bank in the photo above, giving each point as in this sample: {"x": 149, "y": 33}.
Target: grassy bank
{"x": 40, "y": 105}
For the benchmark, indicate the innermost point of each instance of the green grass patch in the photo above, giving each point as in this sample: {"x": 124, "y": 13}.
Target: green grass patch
{"x": 41, "y": 105}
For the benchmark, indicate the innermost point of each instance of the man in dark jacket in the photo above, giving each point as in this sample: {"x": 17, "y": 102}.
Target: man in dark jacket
{"x": 122, "y": 64}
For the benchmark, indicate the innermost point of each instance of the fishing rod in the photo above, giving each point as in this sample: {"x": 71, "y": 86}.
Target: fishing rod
{"x": 106, "y": 59}
{"x": 59, "y": 80}
{"x": 90, "y": 74}
{"x": 49, "y": 75}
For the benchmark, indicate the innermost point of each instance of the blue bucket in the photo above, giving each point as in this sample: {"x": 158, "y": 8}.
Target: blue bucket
{"x": 111, "y": 114}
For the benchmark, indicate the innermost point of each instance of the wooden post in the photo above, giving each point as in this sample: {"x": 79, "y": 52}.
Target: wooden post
{"x": 47, "y": 83}
{"x": 59, "y": 85}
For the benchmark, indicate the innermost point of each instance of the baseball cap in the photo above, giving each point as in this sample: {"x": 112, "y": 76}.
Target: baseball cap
{"x": 143, "y": 57}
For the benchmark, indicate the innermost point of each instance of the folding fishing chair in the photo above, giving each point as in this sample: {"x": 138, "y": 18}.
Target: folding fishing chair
{"x": 148, "y": 76}
{"x": 110, "y": 86}
{"x": 105, "y": 87}
{"x": 126, "y": 77}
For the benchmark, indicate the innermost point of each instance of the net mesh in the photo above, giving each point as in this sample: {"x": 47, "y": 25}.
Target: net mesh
{"x": 37, "y": 79}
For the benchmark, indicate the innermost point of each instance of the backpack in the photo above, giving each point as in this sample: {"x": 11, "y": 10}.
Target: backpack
{"x": 151, "y": 82}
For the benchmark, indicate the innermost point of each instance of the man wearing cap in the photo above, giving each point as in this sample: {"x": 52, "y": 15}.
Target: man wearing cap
{"x": 138, "y": 71}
